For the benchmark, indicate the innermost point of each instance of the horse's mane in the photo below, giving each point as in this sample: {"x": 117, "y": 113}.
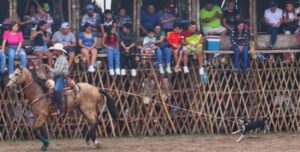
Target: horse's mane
{"x": 39, "y": 81}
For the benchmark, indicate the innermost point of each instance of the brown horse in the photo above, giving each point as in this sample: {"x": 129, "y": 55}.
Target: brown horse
{"x": 86, "y": 99}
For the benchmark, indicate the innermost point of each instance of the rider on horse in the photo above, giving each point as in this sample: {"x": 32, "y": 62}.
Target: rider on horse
{"x": 60, "y": 71}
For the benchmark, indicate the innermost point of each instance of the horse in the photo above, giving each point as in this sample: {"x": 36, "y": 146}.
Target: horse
{"x": 86, "y": 99}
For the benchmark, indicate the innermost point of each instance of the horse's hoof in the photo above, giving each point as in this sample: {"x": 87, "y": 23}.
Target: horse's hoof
{"x": 88, "y": 143}
{"x": 44, "y": 148}
{"x": 97, "y": 144}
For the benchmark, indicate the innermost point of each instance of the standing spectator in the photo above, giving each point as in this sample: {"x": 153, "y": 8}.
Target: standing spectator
{"x": 41, "y": 39}
{"x": 87, "y": 41}
{"x": 13, "y": 39}
{"x": 67, "y": 38}
{"x": 273, "y": 19}
{"x": 211, "y": 16}
{"x": 122, "y": 19}
{"x": 175, "y": 40}
{"x": 91, "y": 17}
{"x": 193, "y": 41}
{"x": 231, "y": 16}
{"x": 290, "y": 18}
{"x": 149, "y": 19}
{"x": 42, "y": 15}
{"x": 111, "y": 45}
{"x": 168, "y": 16}
{"x": 108, "y": 22}
{"x": 128, "y": 49}
{"x": 240, "y": 44}
{"x": 164, "y": 51}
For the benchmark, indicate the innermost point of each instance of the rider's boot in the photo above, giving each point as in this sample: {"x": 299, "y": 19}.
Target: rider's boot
{"x": 58, "y": 99}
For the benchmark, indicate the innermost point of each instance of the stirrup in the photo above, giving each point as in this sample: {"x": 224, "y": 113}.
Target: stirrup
{"x": 56, "y": 113}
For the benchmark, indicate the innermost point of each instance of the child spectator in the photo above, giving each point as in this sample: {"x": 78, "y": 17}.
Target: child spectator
{"x": 67, "y": 38}
{"x": 273, "y": 19}
{"x": 91, "y": 17}
{"x": 107, "y": 23}
{"x": 87, "y": 40}
{"x": 13, "y": 39}
{"x": 110, "y": 43}
{"x": 174, "y": 38}
{"x": 240, "y": 44}
{"x": 230, "y": 17}
{"x": 290, "y": 19}
{"x": 194, "y": 44}
{"x": 128, "y": 49}
{"x": 211, "y": 16}
{"x": 164, "y": 51}
{"x": 122, "y": 19}
{"x": 41, "y": 39}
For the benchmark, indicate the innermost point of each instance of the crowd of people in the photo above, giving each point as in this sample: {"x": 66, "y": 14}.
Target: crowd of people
{"x": 163, "y": 36}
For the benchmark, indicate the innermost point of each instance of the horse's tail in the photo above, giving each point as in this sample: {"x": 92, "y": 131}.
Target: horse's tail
{"x": 111, "y": 105}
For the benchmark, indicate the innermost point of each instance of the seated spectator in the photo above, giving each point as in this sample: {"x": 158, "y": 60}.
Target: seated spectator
{"x": 41, "y": 39}
{"x": 91, "y": 17}
{"x": 240, "y": 44}
{"x": 87, "y": 40}
{"x": 111, "y": 47}
{"x": 42, "y": 15}
{"x": 67, "y": 38}
{"x": 290, "y": 19}
{"x": 149, "y": 19}
{"x": 122, "y": 19}
{"x": 193, "y": 42}
{"x": 273, "y": 19}
{"x": 175, "y": 41}
{"x": 128, "y": 49}
{"x": 164, "y": 51}
{"x": 168, "y": 17}
{"x": 13, "y": 40}
{"x": 2, "y": 61}
{"x": 108, "y": 22}
{"x": 231, "y": 16}
{"x": 211, "y": 16}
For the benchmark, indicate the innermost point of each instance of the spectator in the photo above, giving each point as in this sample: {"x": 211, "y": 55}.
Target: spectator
{"x": 231, "y": 16}
{"x": 41, "y": 39}
{"x": 122, "y": 19}
{"x": 91, "y": 17}
{"x": 211, "y": 16}
{"x": 87, "y": 41}
{"x": 128, "y": 49}
{"x": 193, "y": 42}
{"x": 164, "y": 50}
{"x": 290, "y": 19}
{"x": 273, "y": 19}
{"x": 2, "y": 61}
{"x": 168, "y": 17}
{"x": 13, "y": 39}
{"x": 110, "y": 43}
{"x": 175, "y": 40}
{"x": 240, "y": 44}
{"x": 42, "y": 15}
{"x": 149, "y": 19}
{"x": 67, "y": 38}
{"x": 108, "y": 22}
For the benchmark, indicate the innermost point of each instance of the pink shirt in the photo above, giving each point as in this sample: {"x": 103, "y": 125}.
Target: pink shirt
{"x": 13, "y": 39}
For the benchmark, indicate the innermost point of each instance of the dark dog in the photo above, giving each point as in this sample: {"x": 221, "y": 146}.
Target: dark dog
{"x": 248, "y": 126}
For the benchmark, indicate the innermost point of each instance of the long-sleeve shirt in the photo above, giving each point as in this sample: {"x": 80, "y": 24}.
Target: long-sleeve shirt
{"x": 61, "y": 66}
{"x": 240, "y": 38}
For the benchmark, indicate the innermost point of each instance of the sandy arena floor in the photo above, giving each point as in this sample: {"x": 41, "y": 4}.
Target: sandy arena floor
{"x": 253, "y": 143}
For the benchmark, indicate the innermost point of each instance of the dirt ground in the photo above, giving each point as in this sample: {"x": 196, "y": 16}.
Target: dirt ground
{"x": 253, "y": 143}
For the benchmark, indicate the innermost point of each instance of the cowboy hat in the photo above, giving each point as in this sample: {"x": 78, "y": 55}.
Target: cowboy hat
{"x": 59, "y": 47}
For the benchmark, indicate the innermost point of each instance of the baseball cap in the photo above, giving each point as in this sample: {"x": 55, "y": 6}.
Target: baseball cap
{"x": 65, "y": 25}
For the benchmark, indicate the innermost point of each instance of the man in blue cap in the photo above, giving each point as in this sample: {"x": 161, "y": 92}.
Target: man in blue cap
{"x": 91, "y": 17}
{"x": 273, "y": 18}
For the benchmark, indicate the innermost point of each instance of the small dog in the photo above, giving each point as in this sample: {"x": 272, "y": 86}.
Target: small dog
{"x": 248, "y": 126}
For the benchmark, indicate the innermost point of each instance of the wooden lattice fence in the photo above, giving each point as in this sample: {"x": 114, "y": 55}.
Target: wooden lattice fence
{"x": 151, "y": 104}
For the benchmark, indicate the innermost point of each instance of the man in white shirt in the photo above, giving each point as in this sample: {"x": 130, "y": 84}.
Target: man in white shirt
{"x": 273, "y": 19}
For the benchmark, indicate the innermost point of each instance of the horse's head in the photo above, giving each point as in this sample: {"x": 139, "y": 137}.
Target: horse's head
{"x": 44, "y": 72}
{"x": 19, "y": 77}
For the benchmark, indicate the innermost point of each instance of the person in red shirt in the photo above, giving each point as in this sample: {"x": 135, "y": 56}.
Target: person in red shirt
{"x": 174, "y": 38}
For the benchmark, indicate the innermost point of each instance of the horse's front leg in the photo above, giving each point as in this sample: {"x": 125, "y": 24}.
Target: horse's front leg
{"x": 37, "y": 128}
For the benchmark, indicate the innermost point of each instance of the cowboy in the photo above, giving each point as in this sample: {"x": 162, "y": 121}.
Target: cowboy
{"x": 60, "y": 71}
